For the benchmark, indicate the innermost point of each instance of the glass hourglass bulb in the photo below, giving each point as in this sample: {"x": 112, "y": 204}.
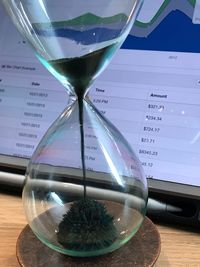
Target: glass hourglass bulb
{"x": 85, "y": 193}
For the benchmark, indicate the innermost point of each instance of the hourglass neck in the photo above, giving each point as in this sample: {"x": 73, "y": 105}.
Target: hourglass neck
{"x": 72, "y": 97}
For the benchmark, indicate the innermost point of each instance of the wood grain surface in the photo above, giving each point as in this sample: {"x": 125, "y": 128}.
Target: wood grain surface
{"x": 179, "y": 248}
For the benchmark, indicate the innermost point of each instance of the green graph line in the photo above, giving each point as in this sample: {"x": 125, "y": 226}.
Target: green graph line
{"x": 86, "y": 19}
{"x": 91, "y": 19}
{"x": 192, "y": 2}
{"x": 160, "y": 10}
{"x": 162, "y": 7}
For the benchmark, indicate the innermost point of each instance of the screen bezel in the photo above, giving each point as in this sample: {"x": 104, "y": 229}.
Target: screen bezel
{"x": 12, "y": 173}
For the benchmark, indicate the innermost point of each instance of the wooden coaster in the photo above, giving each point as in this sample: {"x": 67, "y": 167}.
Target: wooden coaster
{"x": 141, "y": 251}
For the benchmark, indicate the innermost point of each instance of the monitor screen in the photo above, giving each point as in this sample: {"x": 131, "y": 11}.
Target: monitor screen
{"x": 150, "y": 92}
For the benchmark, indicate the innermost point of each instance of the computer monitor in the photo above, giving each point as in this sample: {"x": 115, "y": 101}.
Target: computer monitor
{"x": 150, "y": 91}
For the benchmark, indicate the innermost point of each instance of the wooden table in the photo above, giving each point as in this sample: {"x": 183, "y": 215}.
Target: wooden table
{"x": 178, "y": 248}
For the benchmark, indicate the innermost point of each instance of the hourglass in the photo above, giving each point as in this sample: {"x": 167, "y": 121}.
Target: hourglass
{"x": 85, "y": 193}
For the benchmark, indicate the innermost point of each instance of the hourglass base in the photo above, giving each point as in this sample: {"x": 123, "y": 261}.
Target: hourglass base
{"x": 141, "y": 251}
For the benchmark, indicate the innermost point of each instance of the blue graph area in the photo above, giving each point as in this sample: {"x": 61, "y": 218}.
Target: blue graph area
{"x": 175, "y": 33}
{"x": 86, "y": 37}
